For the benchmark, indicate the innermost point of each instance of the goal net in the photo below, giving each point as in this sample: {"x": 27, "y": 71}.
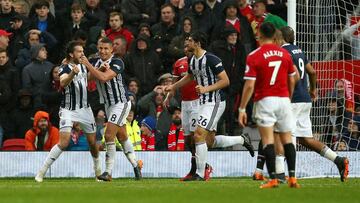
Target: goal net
{"x": 328, "y": 32}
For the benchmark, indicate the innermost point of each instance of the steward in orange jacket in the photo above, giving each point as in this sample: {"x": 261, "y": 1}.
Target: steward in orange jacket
{"x": 43, "y": 136}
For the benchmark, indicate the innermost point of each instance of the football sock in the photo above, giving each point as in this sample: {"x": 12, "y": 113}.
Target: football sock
{"x": 129, "y": 152}
{"x": 96, "y": 161}
{"x": 328, "y": 153}
{"x": 280, "y": 166}
{"x": 269, "y": 152}
{"x": 290, "y": 154}
{"x": 110, "y": 156}
{"x": 201, "y": 157}
{"x": 193, "y": 165}
{"x": 222, "y": 141}
{"x": 51, "y": 157}
{"x": 260, "y": 158}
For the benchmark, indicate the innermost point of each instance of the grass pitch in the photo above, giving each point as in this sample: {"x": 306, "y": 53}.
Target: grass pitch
{"x": 242, "y": 190}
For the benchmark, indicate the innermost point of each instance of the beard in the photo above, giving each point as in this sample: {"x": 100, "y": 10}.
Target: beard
{"x": 177, "y": 122}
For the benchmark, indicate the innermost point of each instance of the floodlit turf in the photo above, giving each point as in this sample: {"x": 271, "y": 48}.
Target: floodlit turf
{"x": 242, "y": 190}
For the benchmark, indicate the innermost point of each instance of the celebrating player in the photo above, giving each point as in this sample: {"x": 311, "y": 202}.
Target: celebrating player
{"x": 270, "y": 73}
{"x": 113, "y": 93}
{"x": 74, "y": 108}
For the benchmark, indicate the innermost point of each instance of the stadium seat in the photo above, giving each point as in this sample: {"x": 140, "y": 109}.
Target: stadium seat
{"x": 14, "y": 145}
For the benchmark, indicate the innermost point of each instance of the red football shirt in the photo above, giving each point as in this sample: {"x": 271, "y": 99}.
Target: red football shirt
{"x": 247, "y": 12}
{"x": 180, "y": 68}
{"x": 270, "y": 65}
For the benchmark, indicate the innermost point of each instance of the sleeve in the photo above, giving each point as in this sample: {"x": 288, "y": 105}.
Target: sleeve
{"x": 250, "y": 69}
{"x": 117, "y": 66}
{"x": 29, "y": 145}
{"x": 216, "y": 65}
{"x": 64, "y": 69}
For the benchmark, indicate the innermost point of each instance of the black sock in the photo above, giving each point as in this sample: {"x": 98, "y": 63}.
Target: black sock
{"x": 193, "y": 165}
{"x": 269, "y": 152}
{"x": 260, "y": 158}
{"x": 290, "y": 155}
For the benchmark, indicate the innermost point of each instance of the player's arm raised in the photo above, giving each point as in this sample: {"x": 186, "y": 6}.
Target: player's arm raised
{"x": 66, "y": 78}
{"x": 312, "y": 79}
{"x": 103, "y": 77}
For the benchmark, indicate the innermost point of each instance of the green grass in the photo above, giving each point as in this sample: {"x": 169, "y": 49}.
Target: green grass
{"x": 226, "y": 190}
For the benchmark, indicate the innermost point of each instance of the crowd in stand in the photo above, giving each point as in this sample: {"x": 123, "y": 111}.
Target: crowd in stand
{"x": 148, "y": 35}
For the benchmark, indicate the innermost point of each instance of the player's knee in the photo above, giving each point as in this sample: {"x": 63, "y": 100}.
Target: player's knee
{"x": 199, "y": 138}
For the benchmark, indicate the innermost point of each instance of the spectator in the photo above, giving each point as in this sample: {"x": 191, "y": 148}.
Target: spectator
{"x": 19, "y": 28}
{"x": 163, "y": 32}
{"x": 9, "y": 86}
{"x": 21, "y": 7}
{"x": 277, "y": 7}
{"x": 352, "y": 35}
{"x": 232, "y": 54}
{"x": 148, "y": 128}
{"x": 203, "y": 18}
{"x": 176, "y": 47}
{"x": 144, "y": 64}
{"x": 180, "y": 8}
{"x": 94, "y": 12}
{"x": 341, "y": 146}
{"x": 136, "y": 12}
{"x": 78, "y": 140}
{"x": 175, "y": 137}
{"x": 344, "y": 93}
{"x": 77, "y": 22}
{"x": 133, "y": 130}
{"x": 51, "y": 95}
{"x": 33, "y": 37}
{"x": 261, "y": 15}
{"x": 352, "y": 137}
{"x": 144, "y": 29}
{"x": 36, "y": 74}
{"x": 116, "y": 21}
{"x": 134, "y": 86}
{"x": 165, "y": 79}
{"x": 152, "y": 105}
{"x": 246, "y": 10}
{"x": 43, "y": 136}
{"x": 233, "y": 17}
{"x": 215, "y": 7}
{"x": 120, "y": 47}
{"x": 4, "y": 40}
{"x": 21, "y": 119}
{"x": 6, "y": 14}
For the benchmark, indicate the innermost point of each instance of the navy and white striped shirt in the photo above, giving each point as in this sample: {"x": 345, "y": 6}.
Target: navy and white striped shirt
{"x": 74, "y": 95}
{"x": 205, "y": 70}
{"x": 114, "y": 90}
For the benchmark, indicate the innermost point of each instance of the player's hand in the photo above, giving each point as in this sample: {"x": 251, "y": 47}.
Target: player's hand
{"x": 166, "y": 102}
{"x": 200, "y": 89}
{"x": 313, "y": 94}
{"x": 145, "y": 16}
{"x": 242, "y": 119}
{"x": 104, "y": 67}
{"x": 84, "y": 60}
{"x": 75, "y": 69}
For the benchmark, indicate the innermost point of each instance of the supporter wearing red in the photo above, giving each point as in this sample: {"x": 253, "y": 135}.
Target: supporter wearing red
{"x": 116, "y": 21}
{"x": 176, "y": 133}
{"x": 43, "y": 136}
{"x": 148, "y": 128}
{"x": 246, "y": 10}
{"x": 233, "y": 17}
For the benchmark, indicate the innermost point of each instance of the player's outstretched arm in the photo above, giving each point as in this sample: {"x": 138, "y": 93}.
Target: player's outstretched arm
{"x": 104, "y": 76}
{"x": 183, "y": 81}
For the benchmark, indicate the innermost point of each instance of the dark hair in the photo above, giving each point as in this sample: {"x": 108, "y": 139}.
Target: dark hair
{"x": 71, "y": 48}
{"x": 167, "y": 5}
{"x": 4, "y": 51}
{"x": 134, "y": 79}
{"x": 200, "y": 37}
{"x": 106, "y": 40}
{"x": 80, "y": 34}
{"x": 76, "y": 7}
{"x": 268, "y": 30}
{"x": 288, "y": 34}
{"x": 122, "y": 38}
{"x": 115, "y": 13}
{"x": 40, "y": 3}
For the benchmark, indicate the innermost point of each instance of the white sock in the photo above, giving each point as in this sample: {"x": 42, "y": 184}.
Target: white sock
{"x": 51, "y": 157}
{"x": 129, "y": 152}
{"x": 201, "y": 151}
{"x": 222, "y": 141}
{"x": 328, "y": 153}
{"x": 279, "y": 164}
{"x": 96, "y": 161}
{"x": 110, "y": 156}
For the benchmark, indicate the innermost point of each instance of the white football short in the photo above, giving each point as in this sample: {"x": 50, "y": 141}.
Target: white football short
{"x": 274, "y": 111}
{"x": 189, "y": 115}
{"x": 209, "y": 115}
{"x": 301, "y": 112}
{"x": 83, "y": 116}
{"x": 117, "y": 113}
